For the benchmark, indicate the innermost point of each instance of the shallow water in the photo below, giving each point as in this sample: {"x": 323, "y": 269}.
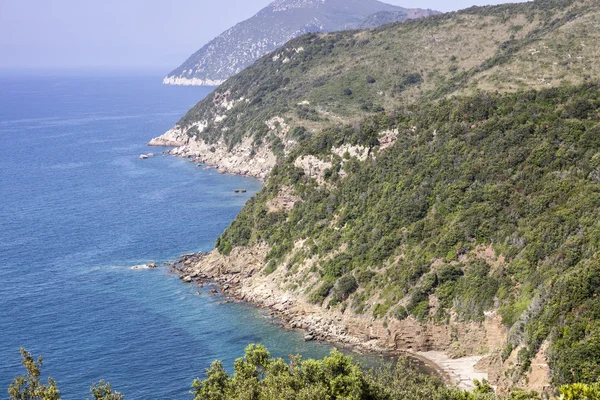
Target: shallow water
{"x": 78, "y": 209}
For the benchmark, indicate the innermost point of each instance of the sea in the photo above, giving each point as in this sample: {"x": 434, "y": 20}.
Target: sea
{"x": 79, "y": 209}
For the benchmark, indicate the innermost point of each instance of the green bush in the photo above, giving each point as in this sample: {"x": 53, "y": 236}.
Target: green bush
{"x": 344, "y": 287}
{"x": 319, "y": 295}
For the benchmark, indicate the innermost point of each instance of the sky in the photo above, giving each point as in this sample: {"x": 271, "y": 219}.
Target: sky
{"x": 129, "y": 34}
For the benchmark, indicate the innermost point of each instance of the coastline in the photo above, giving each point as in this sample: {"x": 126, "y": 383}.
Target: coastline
{"x": 316, "y": 323}
{"x": 243, "y": 159}
{"x": 460, "y": 352}
{"x": 181, "y": 81}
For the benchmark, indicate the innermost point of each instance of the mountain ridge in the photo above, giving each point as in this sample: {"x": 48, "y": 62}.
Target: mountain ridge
{"x": 271, "y": 27}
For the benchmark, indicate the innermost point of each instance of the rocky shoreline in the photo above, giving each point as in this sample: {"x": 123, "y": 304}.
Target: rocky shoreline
{"x": 459, "y": 351}
{"x": 206, "y": 269}
{"x": 243, "y": 159}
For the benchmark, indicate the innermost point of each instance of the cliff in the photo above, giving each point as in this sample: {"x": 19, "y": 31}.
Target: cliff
{"x": 240, "y": 276}
{"x": 243, "y": 159}
{"x": 432, "y": 183}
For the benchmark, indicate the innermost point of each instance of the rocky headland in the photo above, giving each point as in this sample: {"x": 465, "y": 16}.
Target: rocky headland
{"x": 243, "y": 159}
{"x": 458, "y": 351}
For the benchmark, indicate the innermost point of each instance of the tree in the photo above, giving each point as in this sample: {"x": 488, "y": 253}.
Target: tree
{"x": 580, "y": 391}
{"x": 103, "y": 391}
{"x": 29, "y": 386}
{"x": 259, "y": 376}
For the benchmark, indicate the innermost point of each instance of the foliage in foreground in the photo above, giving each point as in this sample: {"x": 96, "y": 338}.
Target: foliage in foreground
{"x": 30, "y": 386}
{"x": 258, "y": 376}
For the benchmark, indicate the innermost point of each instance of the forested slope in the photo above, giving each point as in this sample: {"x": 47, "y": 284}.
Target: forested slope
{"x": 400, "y": 233}
{"x": 440, "y": 170}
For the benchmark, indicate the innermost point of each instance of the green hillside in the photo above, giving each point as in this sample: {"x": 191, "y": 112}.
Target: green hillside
{"x": 438, "y": 169}
{"x": 517, "y": 171}
{"x": 319, "y": 80}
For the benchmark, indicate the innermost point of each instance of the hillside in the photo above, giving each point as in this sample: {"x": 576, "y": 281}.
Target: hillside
{"x": 429, "y": 186}
{"x": 241, "y": 45}
{"x": 384, "y": 17}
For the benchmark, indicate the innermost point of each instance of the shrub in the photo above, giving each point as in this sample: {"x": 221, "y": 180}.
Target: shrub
{"x": 322, "y": 292}
{"x": 344, "y": 287}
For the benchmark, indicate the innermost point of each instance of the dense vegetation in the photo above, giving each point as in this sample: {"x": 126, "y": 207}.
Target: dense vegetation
{"x": 519, "y": 172}
{"x": 258, "y": 376}
{"x": 487, "y": 201}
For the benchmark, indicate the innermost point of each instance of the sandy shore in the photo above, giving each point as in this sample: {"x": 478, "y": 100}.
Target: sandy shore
{"x": 459, "y": 372}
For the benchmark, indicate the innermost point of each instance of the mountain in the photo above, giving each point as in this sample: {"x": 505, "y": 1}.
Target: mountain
{"x": 387, "y": 17}
{"x": 431, "y": 186}
{"x": 282, "y": 20}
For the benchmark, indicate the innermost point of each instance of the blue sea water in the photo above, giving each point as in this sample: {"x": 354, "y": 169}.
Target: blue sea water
{"x": 78, "y": 209}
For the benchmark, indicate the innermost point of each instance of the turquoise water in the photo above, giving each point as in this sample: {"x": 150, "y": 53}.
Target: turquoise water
{"x": 78, "y": 209}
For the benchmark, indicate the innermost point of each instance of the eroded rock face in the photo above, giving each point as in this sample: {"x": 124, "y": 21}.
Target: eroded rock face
{"x": 172, "y": 138}
{"x": 313, "y": 167}
{"x": 284, "y": 201}
{"x": 504, "y": 374}
{"x": 387, "y": 139}
{"x": 242, "y": 159}
{"x": 471, "y": 346}
{"x": 359, "y": 152}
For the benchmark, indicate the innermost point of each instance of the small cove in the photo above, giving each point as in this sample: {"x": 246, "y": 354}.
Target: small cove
{"x": 79, "y": 209}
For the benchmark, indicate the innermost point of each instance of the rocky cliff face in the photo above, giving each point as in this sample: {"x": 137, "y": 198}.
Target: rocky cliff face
{"x": 282, "y": 20}
{"x": 243, "y": 159}
{"x": 460, "y": 351}
{"x": 455, "y": 348}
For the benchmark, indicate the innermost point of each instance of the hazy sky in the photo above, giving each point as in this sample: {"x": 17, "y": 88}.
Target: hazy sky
{"x": 158, "y": 34}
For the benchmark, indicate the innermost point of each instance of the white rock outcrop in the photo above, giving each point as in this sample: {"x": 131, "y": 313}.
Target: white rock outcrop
{"x": 313, "y": 167}
{"x": 172, "y": 138}
{"x": 360, "y": 152}
{"x": 243, "y": 159}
